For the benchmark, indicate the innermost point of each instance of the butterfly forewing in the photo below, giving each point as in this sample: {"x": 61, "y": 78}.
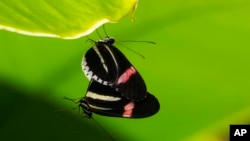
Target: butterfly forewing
{"x": 129, "y": 83}
{"x": 104, "y": 100}
{"x": 107, "y": 65}
{"x": 99, "y": 64}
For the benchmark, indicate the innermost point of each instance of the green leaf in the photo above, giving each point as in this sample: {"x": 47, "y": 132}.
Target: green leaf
{"x": 61, "y": 18}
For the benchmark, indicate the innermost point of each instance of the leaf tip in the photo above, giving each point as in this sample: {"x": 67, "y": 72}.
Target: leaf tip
{"x": 132, "y": 12}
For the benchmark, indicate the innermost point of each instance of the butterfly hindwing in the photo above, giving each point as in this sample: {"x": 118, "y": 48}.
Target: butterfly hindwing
{"x": 104, "y": 100}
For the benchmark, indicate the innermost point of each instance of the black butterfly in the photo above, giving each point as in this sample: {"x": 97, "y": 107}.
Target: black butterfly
{"x": 107, "y": 65}
{"x": 104, "y": 100}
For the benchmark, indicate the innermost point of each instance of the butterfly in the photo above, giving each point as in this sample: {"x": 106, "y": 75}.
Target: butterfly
{"x": 104, "y": 100}
{"x": 116, "y": 88}
{"x": 107, "y": 65}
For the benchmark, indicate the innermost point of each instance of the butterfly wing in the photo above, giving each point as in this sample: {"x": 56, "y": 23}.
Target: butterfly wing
{"x": 100, "y": 64}
{"x": 129, "y": 83}
{"x": 107, "y": 65}
{"x": 104, "y": 100}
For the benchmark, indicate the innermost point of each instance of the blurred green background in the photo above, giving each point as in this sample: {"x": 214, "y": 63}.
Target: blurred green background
{"x": 199, "y": 70}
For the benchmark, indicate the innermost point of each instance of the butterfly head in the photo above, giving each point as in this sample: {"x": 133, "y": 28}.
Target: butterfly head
{"x": 107, "y": 41}
{"x": 85, "y": 107}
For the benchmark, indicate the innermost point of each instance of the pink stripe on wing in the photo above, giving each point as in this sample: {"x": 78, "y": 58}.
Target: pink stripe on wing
{"x": 128, "y": 109}
{"x": 126, "y": 75}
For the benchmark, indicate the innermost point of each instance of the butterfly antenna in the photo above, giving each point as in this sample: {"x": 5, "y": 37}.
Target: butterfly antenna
{"x": 150, "y": 42}
{"x": 76, "y": 101}
{"x": 105, "y": 30}
{"x": 99, "y": 35}
{"x": 93, "y": 42}
{"x": 100, "y": 126}
{"x": 132, "y": 51}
